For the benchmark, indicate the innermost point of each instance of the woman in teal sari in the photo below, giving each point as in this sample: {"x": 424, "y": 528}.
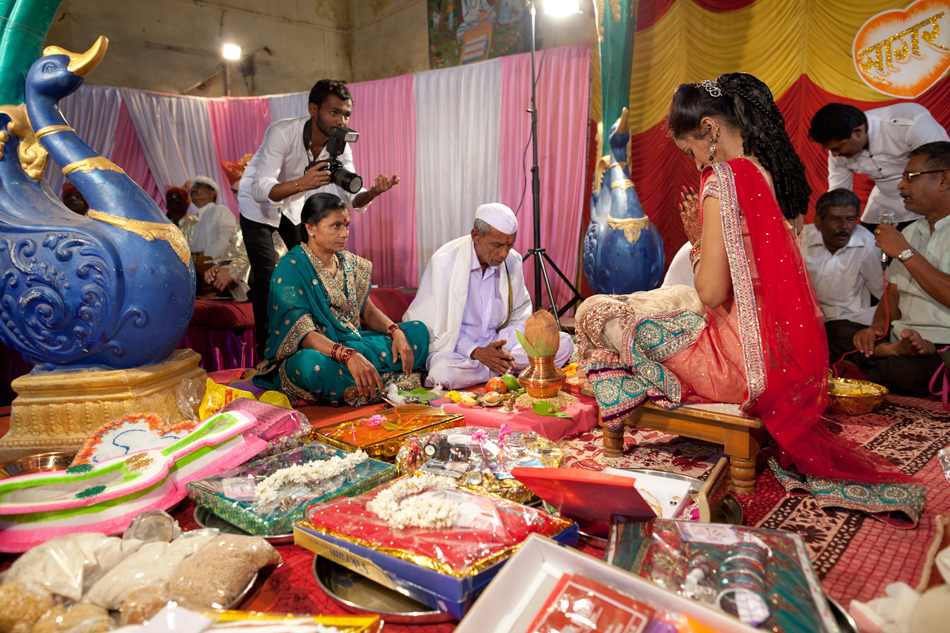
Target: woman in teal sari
{"x": 315, "y": 347}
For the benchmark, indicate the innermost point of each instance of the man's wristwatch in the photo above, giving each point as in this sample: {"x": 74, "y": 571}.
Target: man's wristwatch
{"x": 905, "y": 254}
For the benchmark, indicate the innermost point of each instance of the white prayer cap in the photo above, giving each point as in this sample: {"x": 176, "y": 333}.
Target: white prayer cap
{"x": 204, "y": 180}
{"x": 498, "y": 216}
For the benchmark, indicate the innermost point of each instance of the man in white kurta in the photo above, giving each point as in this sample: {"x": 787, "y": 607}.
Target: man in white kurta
{"x": 473, "y": 299}
{"x": 216, "y": 224}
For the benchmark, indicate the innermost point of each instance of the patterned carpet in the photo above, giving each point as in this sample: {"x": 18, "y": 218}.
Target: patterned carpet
{"x": 855, "y": 555}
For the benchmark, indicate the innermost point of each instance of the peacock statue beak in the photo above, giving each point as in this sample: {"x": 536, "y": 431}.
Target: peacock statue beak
{"x": 81, "y": 64}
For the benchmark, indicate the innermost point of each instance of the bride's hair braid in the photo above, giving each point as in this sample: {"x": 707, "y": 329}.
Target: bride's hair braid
{"x": 764, "y": 135}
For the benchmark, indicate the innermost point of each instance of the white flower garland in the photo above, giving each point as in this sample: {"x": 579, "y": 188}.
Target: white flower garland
{"x": 311, "y": 472}
{"x": 401, "y": 505}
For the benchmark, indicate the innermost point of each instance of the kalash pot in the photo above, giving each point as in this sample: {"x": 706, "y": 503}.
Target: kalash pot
{"x": 542, "y": 378}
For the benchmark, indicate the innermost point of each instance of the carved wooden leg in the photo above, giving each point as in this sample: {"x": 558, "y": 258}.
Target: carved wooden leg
{"x": 613, "y": 442}
{"x": 743, "y": 475}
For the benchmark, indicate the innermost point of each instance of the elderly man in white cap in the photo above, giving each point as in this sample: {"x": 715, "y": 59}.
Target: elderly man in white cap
{"x": 473, "y": 298}
{"x": 216, "y": 224}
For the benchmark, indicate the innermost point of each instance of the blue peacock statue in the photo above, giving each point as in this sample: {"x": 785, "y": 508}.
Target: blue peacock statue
{"x": 623, "y": 251}
{"x": 114, "y": 289}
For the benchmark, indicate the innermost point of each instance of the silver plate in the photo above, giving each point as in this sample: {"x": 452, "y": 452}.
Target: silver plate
{"x": 238, "y": 599}
{"x": 361, "y": 595}
{"x": 843, "y": 619}
{"x": 44, "y": 463}
{"x": 208, "y": 519}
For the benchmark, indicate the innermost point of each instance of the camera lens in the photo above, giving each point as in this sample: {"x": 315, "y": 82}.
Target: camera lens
{"x": 347, "y": 180}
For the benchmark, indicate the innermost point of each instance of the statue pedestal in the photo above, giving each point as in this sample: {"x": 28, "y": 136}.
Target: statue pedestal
{"x": 59, "y": 409}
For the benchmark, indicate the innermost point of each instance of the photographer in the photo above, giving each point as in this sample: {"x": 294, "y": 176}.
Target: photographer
{"x": 277, "y": 181}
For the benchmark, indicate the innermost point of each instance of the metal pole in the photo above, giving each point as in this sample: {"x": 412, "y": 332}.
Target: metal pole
{"x": 535, "y": 176}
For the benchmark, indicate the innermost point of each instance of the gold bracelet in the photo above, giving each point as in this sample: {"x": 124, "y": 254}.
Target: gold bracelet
{"x": 296, "y": 186}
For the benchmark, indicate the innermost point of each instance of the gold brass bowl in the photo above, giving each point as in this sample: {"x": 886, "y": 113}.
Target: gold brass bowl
{"x": 542, "y": 378}
{"x": 36, "y": 464}
{"x": 854, "y": 397}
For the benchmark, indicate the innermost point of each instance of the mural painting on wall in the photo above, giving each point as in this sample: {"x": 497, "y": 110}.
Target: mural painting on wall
{"x": 466, "y": 31}
{"x": 904, "y": 52}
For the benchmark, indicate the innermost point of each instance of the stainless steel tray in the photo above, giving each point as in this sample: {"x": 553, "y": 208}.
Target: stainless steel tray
{"x": 361, "y": 595}
{"x": 208, "y": 519}
{"x": 46, "y": 462}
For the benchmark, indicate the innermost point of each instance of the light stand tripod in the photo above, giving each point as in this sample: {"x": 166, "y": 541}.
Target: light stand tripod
{"x": 540, "y": 255}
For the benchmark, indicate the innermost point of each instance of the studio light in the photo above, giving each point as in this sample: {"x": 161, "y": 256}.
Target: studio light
{"x": 231, "y": 51}
{"x": 561, "y": 7}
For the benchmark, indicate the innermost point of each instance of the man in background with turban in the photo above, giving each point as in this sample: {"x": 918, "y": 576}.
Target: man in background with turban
{"x": 473, "y": 298}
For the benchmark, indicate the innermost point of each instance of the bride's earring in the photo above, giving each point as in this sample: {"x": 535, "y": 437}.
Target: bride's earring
{"x": 712, "y": 149}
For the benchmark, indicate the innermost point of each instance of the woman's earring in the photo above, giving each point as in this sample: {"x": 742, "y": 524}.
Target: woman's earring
{"x": 712, "y": 150}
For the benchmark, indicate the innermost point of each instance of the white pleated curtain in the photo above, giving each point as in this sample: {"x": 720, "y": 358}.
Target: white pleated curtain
{"x": 93, "y": 112}
{"x": 457, "y": 166}
{"x": 176, "y": 136}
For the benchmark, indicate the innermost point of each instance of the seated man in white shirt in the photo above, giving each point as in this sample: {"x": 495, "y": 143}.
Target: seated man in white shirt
{"x": 917, "y": 300}
{"x": 473, "y": 298}
{"x": 845, "y": 268}
{"x": 216, "y": 224}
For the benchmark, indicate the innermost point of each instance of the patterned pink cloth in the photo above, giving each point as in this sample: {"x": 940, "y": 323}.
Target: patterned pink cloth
{"x": 583, "y": 418}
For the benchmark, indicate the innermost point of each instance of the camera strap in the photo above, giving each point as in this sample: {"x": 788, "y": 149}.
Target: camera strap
{"x": 307, "y": 135}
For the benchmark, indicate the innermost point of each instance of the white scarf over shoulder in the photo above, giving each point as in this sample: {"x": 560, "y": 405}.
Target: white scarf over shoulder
{"x": 443, "y": 292}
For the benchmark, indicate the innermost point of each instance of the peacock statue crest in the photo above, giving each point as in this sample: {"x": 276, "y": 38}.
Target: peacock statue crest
{"x": 111, "y": 290}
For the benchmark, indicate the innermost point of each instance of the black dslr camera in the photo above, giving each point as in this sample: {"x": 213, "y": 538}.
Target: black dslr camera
{"x": 339, "y": 175}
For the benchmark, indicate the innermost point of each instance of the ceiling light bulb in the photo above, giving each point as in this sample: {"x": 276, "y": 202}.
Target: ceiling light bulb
{"x": 231, "y": 51}
{"x": 561, "y": 7}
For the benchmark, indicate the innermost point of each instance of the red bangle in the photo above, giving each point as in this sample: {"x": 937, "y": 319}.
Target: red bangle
{"x": 392, "y": 329}
{"x": 334, "y": 351}
{"x": 345, "y": 356}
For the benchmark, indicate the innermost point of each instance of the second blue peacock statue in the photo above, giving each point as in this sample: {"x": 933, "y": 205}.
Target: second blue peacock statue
{"x": 111, "y": 290}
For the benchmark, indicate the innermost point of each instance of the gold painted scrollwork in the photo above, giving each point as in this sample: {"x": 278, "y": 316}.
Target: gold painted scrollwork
{"x": 91, "y": 164}
{"x": 32, "y": 156}
{"x": 631, "y": 227}
{"x": 53, "y": 129}
{"x": 149, "y": 230}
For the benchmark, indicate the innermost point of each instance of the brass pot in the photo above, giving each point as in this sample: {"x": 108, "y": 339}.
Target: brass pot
{"x": 542, "y": 378}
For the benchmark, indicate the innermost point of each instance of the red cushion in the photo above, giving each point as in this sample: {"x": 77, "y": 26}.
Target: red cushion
{"x": 223, "y": 314}
{"x": 390, "y": 301}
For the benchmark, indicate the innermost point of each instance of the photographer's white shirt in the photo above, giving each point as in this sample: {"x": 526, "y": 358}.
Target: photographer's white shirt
{"x": 893, "y": 131}
{"x": 283, "y": 157}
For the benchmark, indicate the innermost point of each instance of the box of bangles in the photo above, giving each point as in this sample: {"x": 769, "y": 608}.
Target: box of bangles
{"x": 480, "y": 458}
{"x": 266, "y": 496}
{"x": 762, "y": 577}
{"x": 382, "y": 434}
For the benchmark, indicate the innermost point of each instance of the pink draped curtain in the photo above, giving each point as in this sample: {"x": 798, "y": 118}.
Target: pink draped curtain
{"x": 563, "y": 103}
{"x": 385, "y": 116}
{"x": 238, "y": 127}
{"x": 127, "y": 154}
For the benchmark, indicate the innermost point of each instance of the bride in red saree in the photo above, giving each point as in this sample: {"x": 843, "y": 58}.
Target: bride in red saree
{"x": 752, "y": 333}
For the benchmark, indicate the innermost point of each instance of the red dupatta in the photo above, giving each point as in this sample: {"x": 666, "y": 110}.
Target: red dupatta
{"x": 782, "y": 332}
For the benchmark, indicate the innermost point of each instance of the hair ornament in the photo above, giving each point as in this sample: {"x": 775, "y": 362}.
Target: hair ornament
{"x": 712, "y": 87}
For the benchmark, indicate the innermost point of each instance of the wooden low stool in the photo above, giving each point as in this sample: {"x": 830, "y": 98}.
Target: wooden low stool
{"x": 722, "y": 424}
